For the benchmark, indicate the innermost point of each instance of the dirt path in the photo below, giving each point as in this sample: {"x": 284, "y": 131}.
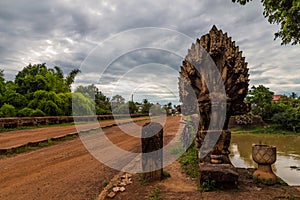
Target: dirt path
{"x": 18, "y": 138}
{"x": 64, "y": 171}
{"x": 180, "y": 187}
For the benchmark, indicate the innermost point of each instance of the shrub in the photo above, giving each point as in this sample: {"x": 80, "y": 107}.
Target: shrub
{"x": 37, "y": 113}
{"x": 8, "y": 110}
{"x": 101, "y": 111}
{"x": 25, "y": 112}
{"x": 51, "y": 109}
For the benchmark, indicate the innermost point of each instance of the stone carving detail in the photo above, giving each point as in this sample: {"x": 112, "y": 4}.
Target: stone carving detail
{"x": 234, "y": 72}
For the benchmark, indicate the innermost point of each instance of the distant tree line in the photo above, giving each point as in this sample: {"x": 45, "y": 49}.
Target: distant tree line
{"x": 284, "y": 112}
{"x": 41, "y": 91}
{"x": 37, "y": 91}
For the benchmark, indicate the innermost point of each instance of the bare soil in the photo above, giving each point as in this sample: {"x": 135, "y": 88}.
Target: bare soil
{"x": 68, "y": 171}
{"x": 179, "y": 187}
{"x": 65, "y": 170}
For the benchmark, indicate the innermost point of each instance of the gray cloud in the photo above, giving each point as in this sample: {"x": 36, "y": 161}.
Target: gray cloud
{"x": 64, "y": 33}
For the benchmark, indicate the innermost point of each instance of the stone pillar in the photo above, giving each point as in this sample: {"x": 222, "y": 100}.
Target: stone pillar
{"x": 152, "y": 149}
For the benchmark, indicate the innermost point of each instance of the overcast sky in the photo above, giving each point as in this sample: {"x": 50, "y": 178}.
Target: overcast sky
{"x": 144, "y": 62}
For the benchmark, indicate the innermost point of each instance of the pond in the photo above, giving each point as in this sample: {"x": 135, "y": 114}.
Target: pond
{"x": 287, "y": 166}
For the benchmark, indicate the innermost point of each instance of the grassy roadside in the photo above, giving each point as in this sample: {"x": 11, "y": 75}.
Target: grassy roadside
{"x": 189, "y": 162}
{"x": 269, "y": 129}
{"x": 36, "y": 146}
{"x": 34, "y": 127}
{"x": 58, "y": 125}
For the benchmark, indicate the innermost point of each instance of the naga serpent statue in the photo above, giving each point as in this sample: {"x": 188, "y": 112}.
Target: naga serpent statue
{"x": 198, "y": 92}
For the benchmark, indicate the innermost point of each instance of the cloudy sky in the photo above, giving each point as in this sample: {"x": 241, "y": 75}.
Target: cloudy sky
{"x": 111, "y": 42}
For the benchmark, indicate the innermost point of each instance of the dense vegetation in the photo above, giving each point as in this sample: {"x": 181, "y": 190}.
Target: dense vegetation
{"x": 37, "y": 91}
{"x": 284, "y": 112}
{"x": 41, "y": 91}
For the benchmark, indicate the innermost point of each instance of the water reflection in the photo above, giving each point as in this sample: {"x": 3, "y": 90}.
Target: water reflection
{"x": 288, "y": 154}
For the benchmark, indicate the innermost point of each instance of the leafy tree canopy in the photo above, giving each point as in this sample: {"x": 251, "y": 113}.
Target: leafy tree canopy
{"x": 286, "y": 13}
{"x": 38, "y": 77}
{"x": 102, "y": 104}
{"x": 260, "y": 98}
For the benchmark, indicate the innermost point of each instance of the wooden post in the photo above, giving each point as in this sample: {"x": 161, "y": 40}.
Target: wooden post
{"x": 152, "y": 149}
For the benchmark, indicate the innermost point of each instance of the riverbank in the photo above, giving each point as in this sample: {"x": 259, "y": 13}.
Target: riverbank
{"x": 257, "y": 129}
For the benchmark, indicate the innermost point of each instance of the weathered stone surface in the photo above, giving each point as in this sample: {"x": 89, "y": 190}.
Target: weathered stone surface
{"x": 224, "y": 175}
{"x": 214, "y": 76}
{"x": 122, "y": 189}
{"x": 116, "y": 189}
{"x": 195, "y": 94}
{"x": 264, "y": 156}
{"x": 152, "y": 149}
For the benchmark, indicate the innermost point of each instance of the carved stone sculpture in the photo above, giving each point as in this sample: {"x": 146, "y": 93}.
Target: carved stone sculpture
{"x": 233, "y": 71}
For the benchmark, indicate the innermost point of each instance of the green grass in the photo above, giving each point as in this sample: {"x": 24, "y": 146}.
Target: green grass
{"x": 155, "y": 194}
{"x": 208, "y": 185}
{"x": 269, "y": 129}
{"x": 166, "y": 174}
{"x": 189, "y": 162}
{"x": 105, "y": 183}
{"x": 142, "y": 180}
{"x": 34, "y": 127}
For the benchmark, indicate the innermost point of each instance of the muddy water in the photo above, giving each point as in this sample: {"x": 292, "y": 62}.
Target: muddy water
{"x": 287, "y": 166}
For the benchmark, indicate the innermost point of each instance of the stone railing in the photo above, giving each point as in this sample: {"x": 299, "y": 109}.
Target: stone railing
{"x": 16, "y": 122}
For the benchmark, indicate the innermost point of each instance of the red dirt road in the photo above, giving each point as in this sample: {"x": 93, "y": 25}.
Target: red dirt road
{"x": 21, "y": 137}
{"x": 65, "y": 170}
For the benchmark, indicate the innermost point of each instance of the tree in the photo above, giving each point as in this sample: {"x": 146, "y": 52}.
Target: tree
{"x": 288, "y": 119}
{"x": 15, "y": 99}
{"x": 157, "y": 110}
{"x": 51, "y": 103}
{"x": 2, "y": 75}
{"x": 82, "y": 105}
{"x": 132, "y": 107}
{"x": 118, "y": 105}
{"x": 287, "y": 14}
{"x": 39, "y": 77}
{"x": 59, "y": 72}
{"x": 146, "y": 106}
{"x": 293, "y": 95}
{"x": 65, "y": 103}
{"x": 2, "y": 82}
{"x": 89, "y": 91}
{"x": 71, "y": 76}
{"x": 50, "y": 108}
{"x": 2, "y": 86}
{"x": 261, "y": 101}
{"x": 122, "y": 109}
{"x": 118, "y": 99}
{"x": 39, "y": 91}
{"x": 102, "y": 102}
{"x": 28, "y": 80}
